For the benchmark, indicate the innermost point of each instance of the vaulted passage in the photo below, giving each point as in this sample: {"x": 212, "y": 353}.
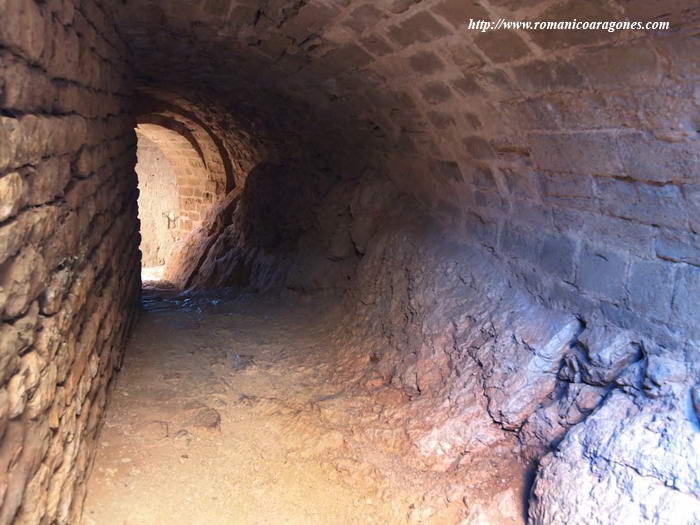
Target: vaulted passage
{"x": 405, "y": 271}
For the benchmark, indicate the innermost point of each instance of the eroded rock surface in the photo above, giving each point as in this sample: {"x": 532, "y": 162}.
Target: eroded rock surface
{"x": 606, "y": 418}
{"x": 632, "y": 461}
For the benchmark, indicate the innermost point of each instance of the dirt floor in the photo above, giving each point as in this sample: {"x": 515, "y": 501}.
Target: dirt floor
{"x": 229, "y": 411}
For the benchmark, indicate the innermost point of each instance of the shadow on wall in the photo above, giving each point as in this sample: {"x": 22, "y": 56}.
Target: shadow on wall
{"x": 251, "y": 236}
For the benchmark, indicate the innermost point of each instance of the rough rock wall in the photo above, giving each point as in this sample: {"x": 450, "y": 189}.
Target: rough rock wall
{"x": 159, "y": 204}
{"x": 69, "y": 280}
{"x": 606, "y": 418}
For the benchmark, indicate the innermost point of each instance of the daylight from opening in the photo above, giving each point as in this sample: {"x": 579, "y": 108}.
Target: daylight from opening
{"x": 159, "y": 208}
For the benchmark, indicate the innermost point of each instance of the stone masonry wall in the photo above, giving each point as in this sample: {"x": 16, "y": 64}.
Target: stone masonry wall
{"x": 586, "y": 181}
{"x": 573, "y": 155}
{"x": 69, "y": 282}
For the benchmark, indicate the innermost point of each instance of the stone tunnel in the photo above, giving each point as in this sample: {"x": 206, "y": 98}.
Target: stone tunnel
{"x": 410, "y": 271}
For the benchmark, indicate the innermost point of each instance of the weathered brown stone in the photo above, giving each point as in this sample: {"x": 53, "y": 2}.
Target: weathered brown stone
{"x": 376, "y": 45}
{"x": 635, "y": 64}
{"x": 441, "y": 120}
{"x": 501, "y": 46}
{"x": 467, "y": 85}
{"x": 540, "y": 75}
{"x": 25, "y": 34}
{"x": 421, "y": 27}
{"x": 478, "y": 148}
{"x": 569, "y": 11}
{"x": 436, "y": 92}
{"x": 399, "y": 6}
{"x": 363, "y": 18}
{"x": 11, "y": 195}
{"x": 572, "y": 152}
{"x": 459, "y": 13}
{"x": 425, "y": 62}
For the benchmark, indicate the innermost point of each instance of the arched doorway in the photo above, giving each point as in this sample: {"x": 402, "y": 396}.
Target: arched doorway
{"x": 159, "y": 207}
{"x": 176, "y": 189}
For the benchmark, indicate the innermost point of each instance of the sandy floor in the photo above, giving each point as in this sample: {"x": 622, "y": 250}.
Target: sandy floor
{"x": 212, "y": 421}
{"x": 249, "y": 410}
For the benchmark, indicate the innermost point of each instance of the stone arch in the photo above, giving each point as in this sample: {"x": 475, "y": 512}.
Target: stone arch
{"x": 198, "y": 187}
{"x": 177, "y": 114}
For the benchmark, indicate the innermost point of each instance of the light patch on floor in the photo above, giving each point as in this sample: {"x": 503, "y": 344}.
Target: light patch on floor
{"x": 243, "y": 411}
{"x": 152, "y": 273}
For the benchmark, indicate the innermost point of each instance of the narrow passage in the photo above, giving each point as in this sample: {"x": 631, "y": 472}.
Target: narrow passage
{"x": 226, "y": 411}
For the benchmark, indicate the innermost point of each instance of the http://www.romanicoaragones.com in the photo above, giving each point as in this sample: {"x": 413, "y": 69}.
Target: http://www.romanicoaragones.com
{"x": 610, "y": 26}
